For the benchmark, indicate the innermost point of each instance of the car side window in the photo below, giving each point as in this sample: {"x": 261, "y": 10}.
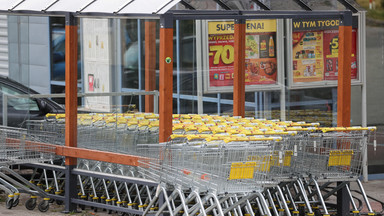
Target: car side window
{"x": 22, "y": 104}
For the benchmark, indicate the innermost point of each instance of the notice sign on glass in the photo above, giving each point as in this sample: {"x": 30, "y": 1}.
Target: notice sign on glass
{"x": 260, "y": 53}
{"x": 316, "y": 50}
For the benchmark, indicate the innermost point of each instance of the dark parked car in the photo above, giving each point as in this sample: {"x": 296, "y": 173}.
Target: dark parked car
{"x": 22, "y": 109}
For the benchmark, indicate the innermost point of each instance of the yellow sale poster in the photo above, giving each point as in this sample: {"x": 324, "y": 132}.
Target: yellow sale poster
{"x": 308, "y": 62}
{"x": 260, "y": 53}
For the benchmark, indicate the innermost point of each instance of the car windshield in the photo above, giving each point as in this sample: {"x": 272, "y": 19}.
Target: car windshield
{"x": 18, "y": 103}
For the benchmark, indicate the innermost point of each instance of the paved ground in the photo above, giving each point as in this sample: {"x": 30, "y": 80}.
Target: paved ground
{"x": 373, "y": 188}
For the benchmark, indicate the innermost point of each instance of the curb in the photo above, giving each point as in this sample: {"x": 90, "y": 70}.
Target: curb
{"x": 374, "y": 22}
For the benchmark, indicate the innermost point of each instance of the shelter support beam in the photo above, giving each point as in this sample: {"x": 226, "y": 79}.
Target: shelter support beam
{"x": 239, "y": 69}
{"x": 344, "y": 75}
{"x": 166, "y": 77}
{"x": 70, "y": 107}
{"x": 150, "y": 62}
{"x": 344, "y": 95}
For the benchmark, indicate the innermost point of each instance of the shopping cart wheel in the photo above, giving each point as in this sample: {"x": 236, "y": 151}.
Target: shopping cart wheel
{"x": 317, "y": 212}
{"x": 59, "y": 202}
{"x": 9, "y": 203}
{"x": 95, "y": 208}
{"x": 30, "y": 204}
{"x": 302, "y": 210}
{"x": 15, "y": 202}
{"x": 121, "y": 213}
{"x": 82, "y": 207}
{"x": 44, "y": 206}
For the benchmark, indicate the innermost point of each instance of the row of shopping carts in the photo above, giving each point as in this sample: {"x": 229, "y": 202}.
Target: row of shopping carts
{"x": 212, "y": 165}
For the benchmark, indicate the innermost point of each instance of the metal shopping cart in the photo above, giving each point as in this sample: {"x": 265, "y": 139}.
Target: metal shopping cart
{"x": 17, "y": 146}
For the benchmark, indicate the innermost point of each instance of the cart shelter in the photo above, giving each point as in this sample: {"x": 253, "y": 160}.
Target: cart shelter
{"x": 164, "y": 10}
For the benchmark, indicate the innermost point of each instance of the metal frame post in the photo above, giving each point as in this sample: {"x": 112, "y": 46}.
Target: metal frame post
{"x": 343, "y": 201}
{"x": 239, "y": 69}
{"x": 5, "y": 109}
{"x": 363, "y": 72}
{"x": 178, "y": 63}
{"x": 150, "y": 63}
{"x": 70, "y": 108}
{"x": 166, "y": 77}
{"x": 139, "y": 64}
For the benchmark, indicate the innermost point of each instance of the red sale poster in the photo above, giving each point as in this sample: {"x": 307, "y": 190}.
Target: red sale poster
{"x": 331, "y": 54}
{"x": 315, "y": 44}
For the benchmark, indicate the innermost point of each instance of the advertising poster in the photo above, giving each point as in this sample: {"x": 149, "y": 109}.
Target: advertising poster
{"x": 260, "y": 53}
{"x": 315, "y": 48}
{"x": 308, "y": 56}
{"x": 96, "y": 63}
{"x": 331, "y": 53}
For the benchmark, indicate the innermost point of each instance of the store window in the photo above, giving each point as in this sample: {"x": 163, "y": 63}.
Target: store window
{"x": 57, "y": 48}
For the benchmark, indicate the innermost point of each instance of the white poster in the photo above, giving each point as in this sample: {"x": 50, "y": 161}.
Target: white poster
{"x": 97, "y": 58}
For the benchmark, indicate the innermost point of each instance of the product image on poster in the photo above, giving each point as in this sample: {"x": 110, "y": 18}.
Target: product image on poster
{"x": 331, "y": 54}
{"x": 260, "y": 53}
{"x": 308, "y": 56}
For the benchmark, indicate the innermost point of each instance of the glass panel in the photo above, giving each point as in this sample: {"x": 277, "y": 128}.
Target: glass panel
{"x": 104, "y": 6}
{"x": 325, "y": 5}
{"x": 69, "y": 5}
{"x": 131, "y": 47}
{"x": 375, "y": 79}
{"x": 360, "y": 5}
{"x": 147, "y": 7}
{"x": 29, "y": 71}
{"x": 18, "y": 103}
{"x": 283, "y": 5}
{"x": 57, "y": 49}
{"x": 6, "y": 5}
{"x": 239, "y": 4}
{"x": 34, "y": 5}
{"x": 186, "y": 57}
{"x": 204, "y": 5}
{"x": 312, "y": 105}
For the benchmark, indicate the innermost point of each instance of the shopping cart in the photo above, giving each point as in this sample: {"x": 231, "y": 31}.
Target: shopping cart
{"x": 334, "y": 153}
{"x": 17, "y": 146}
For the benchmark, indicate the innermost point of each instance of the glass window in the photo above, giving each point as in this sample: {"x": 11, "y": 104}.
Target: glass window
{"x": 24, "y": 104}
{"x": 57, "y": 37}
{"x": 130, "y": 47}
{"x": 204, "y": 5}
{"x": 325, "y": 5}
{"x": 283, "y": 5}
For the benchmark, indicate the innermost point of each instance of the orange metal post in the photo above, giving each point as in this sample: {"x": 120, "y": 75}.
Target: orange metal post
{"x": 150, "y": 63}
{"x": 239, "y": 70}
{"x": 70, "y": 108}
{"x": 344, "y": 74}
{"x": 166, "y": 78}
{"x": 71, "y": 87}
